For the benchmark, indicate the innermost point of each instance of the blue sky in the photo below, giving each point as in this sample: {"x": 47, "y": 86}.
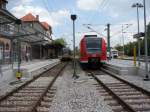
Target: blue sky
{"x": 95, "y": 12}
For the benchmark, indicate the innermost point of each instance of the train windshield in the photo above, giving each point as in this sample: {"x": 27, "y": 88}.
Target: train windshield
{"x": 93, "y": 45}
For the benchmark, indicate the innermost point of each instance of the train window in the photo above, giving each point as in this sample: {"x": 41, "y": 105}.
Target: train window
{"x": 93, "y": 45}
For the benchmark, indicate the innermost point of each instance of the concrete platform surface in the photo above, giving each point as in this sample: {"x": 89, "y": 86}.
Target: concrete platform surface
{"x": 126, "y": 67}
{"x": 130, "y": 73}
{"x": 126, "y": 63}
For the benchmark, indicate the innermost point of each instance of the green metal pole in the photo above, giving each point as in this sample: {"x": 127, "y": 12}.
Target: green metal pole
{"x": 146, "y": 43}
{"x": 108, "y": 40}
{"x": 19, "y": 51}
{"x": 18, "y": 74}
{"x": 74, "y": 61}
{"x": 134, "y": 53}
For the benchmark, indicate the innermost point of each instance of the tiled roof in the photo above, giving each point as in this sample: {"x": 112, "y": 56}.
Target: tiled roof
{"x": 46, "y": 25}
{"x": 29, "y": 17}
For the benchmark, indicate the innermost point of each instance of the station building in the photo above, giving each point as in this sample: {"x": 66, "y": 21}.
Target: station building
{"x": 24, "y": 41}
{"x": 36, "y": 49}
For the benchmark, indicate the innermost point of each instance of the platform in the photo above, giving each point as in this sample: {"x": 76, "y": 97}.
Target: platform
{"x": 127, "y": 71}
{"x": 29, "y": 70}
{"x": 126, "y": 67}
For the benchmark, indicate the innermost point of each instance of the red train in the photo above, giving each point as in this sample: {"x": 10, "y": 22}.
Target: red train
{"x": 93, "y": 51}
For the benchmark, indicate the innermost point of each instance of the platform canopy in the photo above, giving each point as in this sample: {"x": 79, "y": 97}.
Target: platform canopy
{"x": 10, "y": 29}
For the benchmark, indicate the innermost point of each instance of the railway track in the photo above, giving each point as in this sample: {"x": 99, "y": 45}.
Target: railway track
{"x": 35, "y": 95}
{"x": 120, "y": 95}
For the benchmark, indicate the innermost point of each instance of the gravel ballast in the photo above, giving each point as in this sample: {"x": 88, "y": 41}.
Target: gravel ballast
{"x": 78, "y": 95}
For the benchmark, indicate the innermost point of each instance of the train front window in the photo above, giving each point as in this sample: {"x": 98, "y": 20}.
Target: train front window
{"x": 93, "y": 45}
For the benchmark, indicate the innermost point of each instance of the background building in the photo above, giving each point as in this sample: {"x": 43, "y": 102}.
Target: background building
{"x": 23, "y": 39}
{"x": 36, "y": 49}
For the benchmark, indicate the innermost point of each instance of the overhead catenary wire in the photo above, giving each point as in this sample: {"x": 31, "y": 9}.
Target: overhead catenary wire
{"x": 93, "y": 30}
{"x": 100, "y": 4}
{"x": 118, "y": 32}
{"x": 46, "y": 7}
{"x": 49, "y": 9}
{"x": 105, "y": 4}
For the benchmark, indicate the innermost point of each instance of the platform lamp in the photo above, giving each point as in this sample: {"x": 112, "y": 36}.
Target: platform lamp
{"x": 73, "y": 18}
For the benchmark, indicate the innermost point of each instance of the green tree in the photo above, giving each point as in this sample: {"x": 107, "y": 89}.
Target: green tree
{"x": 129, "y": 46}
{"x": 59, "y": 44}
{"x": 119, "y": 47}
{"x": 60, "y": 41}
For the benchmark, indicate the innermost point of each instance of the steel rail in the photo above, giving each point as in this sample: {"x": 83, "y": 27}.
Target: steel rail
{"x": 126, "y": 82}
{"x": 34, "y": 109}
{"x": 25, "y": 84}
{"x": 120, "y": 101}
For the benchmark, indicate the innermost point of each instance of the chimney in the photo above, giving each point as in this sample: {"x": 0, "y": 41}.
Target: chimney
{"x": 37, "y": 17}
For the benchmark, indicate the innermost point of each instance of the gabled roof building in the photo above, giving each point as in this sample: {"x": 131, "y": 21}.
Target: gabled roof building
{"x": 35, "y": 23}
{"x": 32, "y": 34}
{"x": 43, "y": 30}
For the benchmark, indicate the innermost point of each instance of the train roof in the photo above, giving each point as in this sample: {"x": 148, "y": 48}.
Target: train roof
{"x": 90, "y": 36}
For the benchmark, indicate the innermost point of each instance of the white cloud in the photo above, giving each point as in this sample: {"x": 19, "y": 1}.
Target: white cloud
{"x": 58, "y": 16}
{"x": 53, "y": 18}
{"x": 123, "y": 8}
{"x": 117, "y": 10}
{"x": 25, "y": 1}
{"x": 22, "y": 2}
{"x": 112, "y": 8}
{"x": 88, "y": 4}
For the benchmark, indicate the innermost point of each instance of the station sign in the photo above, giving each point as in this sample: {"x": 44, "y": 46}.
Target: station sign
{"x": 141, "y": 34}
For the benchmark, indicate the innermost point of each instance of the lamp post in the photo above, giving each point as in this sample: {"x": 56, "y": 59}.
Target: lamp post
{"x": 73, "y": 18}
{"x": 145, "y": 39}
{"x": 138, "y": 5}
